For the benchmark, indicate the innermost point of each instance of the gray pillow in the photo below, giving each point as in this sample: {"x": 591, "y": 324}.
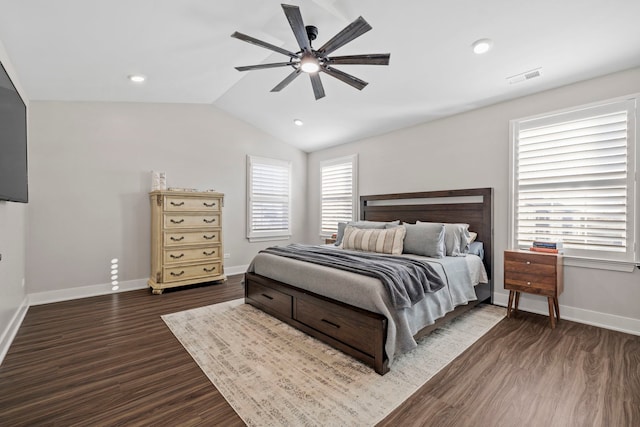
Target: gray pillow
{"x": 456, "y": 238}
{"x": 360, "y": 224}
{"x": 425, "y": 239}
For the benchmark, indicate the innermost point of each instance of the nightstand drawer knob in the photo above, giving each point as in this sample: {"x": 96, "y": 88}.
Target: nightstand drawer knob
{"x": 528, "y": 283}
{"x": 528, "y": 262}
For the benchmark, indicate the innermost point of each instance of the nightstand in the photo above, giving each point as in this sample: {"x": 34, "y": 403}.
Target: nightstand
{"x": 329, "y": 241}
{"x": 534, "y": 273}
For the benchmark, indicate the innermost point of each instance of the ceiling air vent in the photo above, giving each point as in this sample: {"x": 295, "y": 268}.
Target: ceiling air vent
{"x": 527, "y": 75}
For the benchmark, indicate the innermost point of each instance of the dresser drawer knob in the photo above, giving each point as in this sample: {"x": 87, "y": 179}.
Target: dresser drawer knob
{"x": 176, "y": 256}
{"x": 209, "y": 205}
{"x": 177, "y": 274}
{"x": 177, "y": 239}
{"x": 208, "y": 237}
{"x": 209, "y": 270}
{"x": 209, "y": 221}
{"x": 177, "y": 204}
{"x": 173, "y": 221}
{"x": 208, "y": 253}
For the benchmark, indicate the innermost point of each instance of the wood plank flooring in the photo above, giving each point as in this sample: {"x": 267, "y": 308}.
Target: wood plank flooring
{"x": 110, "y": 360}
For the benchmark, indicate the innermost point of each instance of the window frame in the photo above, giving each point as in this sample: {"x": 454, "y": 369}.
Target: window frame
{"x": 353, "y": 159}
{"x": 631, "y": 257}
{"x": 254, "y": 235}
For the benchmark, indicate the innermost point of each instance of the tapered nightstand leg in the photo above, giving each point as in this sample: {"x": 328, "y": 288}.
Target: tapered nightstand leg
{"x": 552, "y": 318}
{"x": 510, "y": 303}
{"x": 515, "y": 308}
{"x": 557, "y": 307}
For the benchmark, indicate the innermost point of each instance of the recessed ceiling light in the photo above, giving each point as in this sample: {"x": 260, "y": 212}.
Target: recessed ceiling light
{"x": 298, "y": 122}
{"x": 481, "y": 46}
{"x": 137, "y": 78}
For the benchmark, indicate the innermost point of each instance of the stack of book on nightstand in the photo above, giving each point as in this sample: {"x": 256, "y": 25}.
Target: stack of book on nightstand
{"x": 548, "y": 247}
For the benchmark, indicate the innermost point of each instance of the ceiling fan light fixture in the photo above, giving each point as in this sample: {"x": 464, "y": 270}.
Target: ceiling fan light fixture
{"x": 309, "y": 64}
{"x": 481, "y": 46}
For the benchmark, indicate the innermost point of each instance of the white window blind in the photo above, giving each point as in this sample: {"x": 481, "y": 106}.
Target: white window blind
{"x": 339, "y": 193}
{"x": 269, "y": 202}
{"x": 574, "y": 181}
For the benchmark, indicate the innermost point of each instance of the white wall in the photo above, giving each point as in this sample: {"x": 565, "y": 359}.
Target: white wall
{"x": 90, "y": 180}
{"x": 13, "y": 230}
{"x": 471, "y": 150}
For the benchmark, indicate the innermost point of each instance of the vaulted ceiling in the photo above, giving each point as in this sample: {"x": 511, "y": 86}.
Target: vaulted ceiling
{"x": 80, "y": 50}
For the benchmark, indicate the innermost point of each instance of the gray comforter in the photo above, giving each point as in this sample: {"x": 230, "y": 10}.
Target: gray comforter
{"x": 407, "y": 280}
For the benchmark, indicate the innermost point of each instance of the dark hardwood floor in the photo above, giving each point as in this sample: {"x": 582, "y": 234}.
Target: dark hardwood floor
{"x": 110, "y": 360}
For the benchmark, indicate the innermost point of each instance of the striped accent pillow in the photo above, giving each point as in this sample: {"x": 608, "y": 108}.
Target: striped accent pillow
{"x": 385, "y": 241}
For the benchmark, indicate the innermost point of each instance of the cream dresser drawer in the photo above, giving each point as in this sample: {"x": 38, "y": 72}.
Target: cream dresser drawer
{"x": 191, "y": 220}
{"x": 188, "y": 204}
{"x": 174, "y": 238}
{"x": 187, "y": 272}
{"x": 191, "y": 254}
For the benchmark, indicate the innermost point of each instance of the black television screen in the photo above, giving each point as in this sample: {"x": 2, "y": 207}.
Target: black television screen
{"x": 13, "y": 142}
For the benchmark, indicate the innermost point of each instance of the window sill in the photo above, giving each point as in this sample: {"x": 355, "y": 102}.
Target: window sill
{"x": 600, "y": 264}
{"x": 268, "y": 239}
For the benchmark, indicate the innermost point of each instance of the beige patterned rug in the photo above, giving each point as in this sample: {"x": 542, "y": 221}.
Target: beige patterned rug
{"x": 272, "y": 374}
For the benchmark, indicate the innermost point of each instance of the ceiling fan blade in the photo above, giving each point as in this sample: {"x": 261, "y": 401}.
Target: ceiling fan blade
{"x": 286, "y": 81}
{"x": 297, "y": 25}
{"x": 350, "y": 32}
{"x": 262, "y": 66}
{"x": 316, "y": 83}
{"x": 370, "y": 59}
{"x": 347, "y": 78}
{"x": 260, "y": 43}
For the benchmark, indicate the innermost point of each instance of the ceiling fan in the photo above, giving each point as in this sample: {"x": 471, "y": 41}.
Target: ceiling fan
{"x": 314, "y": 61}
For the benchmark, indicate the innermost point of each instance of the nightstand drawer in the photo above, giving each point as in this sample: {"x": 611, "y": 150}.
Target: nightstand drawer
{"x": 529, "y": 267}
{"x": 534, "y": 285}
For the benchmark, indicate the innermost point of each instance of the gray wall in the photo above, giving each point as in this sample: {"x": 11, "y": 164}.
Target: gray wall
{"x": 13, "y": 230}
{"x": 472, "y": 150}
{"x": 90, "y": 178}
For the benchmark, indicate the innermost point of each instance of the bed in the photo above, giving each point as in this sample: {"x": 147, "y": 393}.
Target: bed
{"x": 350, "y": 311}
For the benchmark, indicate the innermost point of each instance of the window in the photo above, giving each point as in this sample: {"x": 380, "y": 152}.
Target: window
{"x": 268, "y": 199}
{"x": 573, "y": 180}
{"x": 338, "y": 179}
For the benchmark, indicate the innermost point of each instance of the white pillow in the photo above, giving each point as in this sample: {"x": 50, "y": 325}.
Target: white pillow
{"x": 386, "y": 241}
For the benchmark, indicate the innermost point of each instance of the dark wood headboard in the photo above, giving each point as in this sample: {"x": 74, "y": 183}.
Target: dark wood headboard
{"x": 470, "y": 206}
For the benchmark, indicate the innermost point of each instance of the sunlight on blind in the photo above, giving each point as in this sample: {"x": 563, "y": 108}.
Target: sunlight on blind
{"x": 269, "y": 204}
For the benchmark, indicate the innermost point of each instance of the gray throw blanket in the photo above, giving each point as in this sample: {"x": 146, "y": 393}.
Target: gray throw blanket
{"x": 407, "y": 280}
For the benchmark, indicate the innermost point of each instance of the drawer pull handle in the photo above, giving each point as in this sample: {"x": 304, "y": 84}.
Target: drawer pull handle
{"x": 209, "y": 270}
{"x": 208, "y": 237}
{"x": 528, "y": 283}
{"x": 528, "y": 262}
{"x": 177, "y": 274}
{"x": 177, "y": 239}
{"x": 176, "y": 256}
{"x": 267, "y": 296}
{"x": 177, "y": 204}
{"x": 209, "y": 221}
{"x": 177, "y": 222}
{"x": 209, "y": 205}
{"x": 331, "y": 323}
{"x": 208, "y": 253}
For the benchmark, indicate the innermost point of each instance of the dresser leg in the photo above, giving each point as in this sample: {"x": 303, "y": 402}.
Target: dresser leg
{"x": 510, "y": 303}
{"x": 552, "y": 318}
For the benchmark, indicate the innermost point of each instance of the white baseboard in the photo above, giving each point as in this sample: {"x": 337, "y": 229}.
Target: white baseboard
{"x": 58, "y": 295}
{"x": 580, "y": 315}
{"x": 12, "y": 329}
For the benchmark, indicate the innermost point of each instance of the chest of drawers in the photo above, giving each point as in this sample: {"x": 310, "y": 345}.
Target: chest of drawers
{"x": 535, "y": 273}
{"x": 186, "y": 238}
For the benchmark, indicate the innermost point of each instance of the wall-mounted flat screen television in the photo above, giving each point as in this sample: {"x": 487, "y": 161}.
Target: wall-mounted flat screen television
{"x": 13, "y": 142}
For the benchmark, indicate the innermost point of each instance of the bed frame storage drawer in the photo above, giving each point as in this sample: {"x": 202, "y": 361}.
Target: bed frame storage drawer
{"x": 337, "y": 322}
{"x": 270, "y": 300}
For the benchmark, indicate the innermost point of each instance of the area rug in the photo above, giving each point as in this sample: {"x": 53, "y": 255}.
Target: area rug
{"x": 273, "y": 374}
